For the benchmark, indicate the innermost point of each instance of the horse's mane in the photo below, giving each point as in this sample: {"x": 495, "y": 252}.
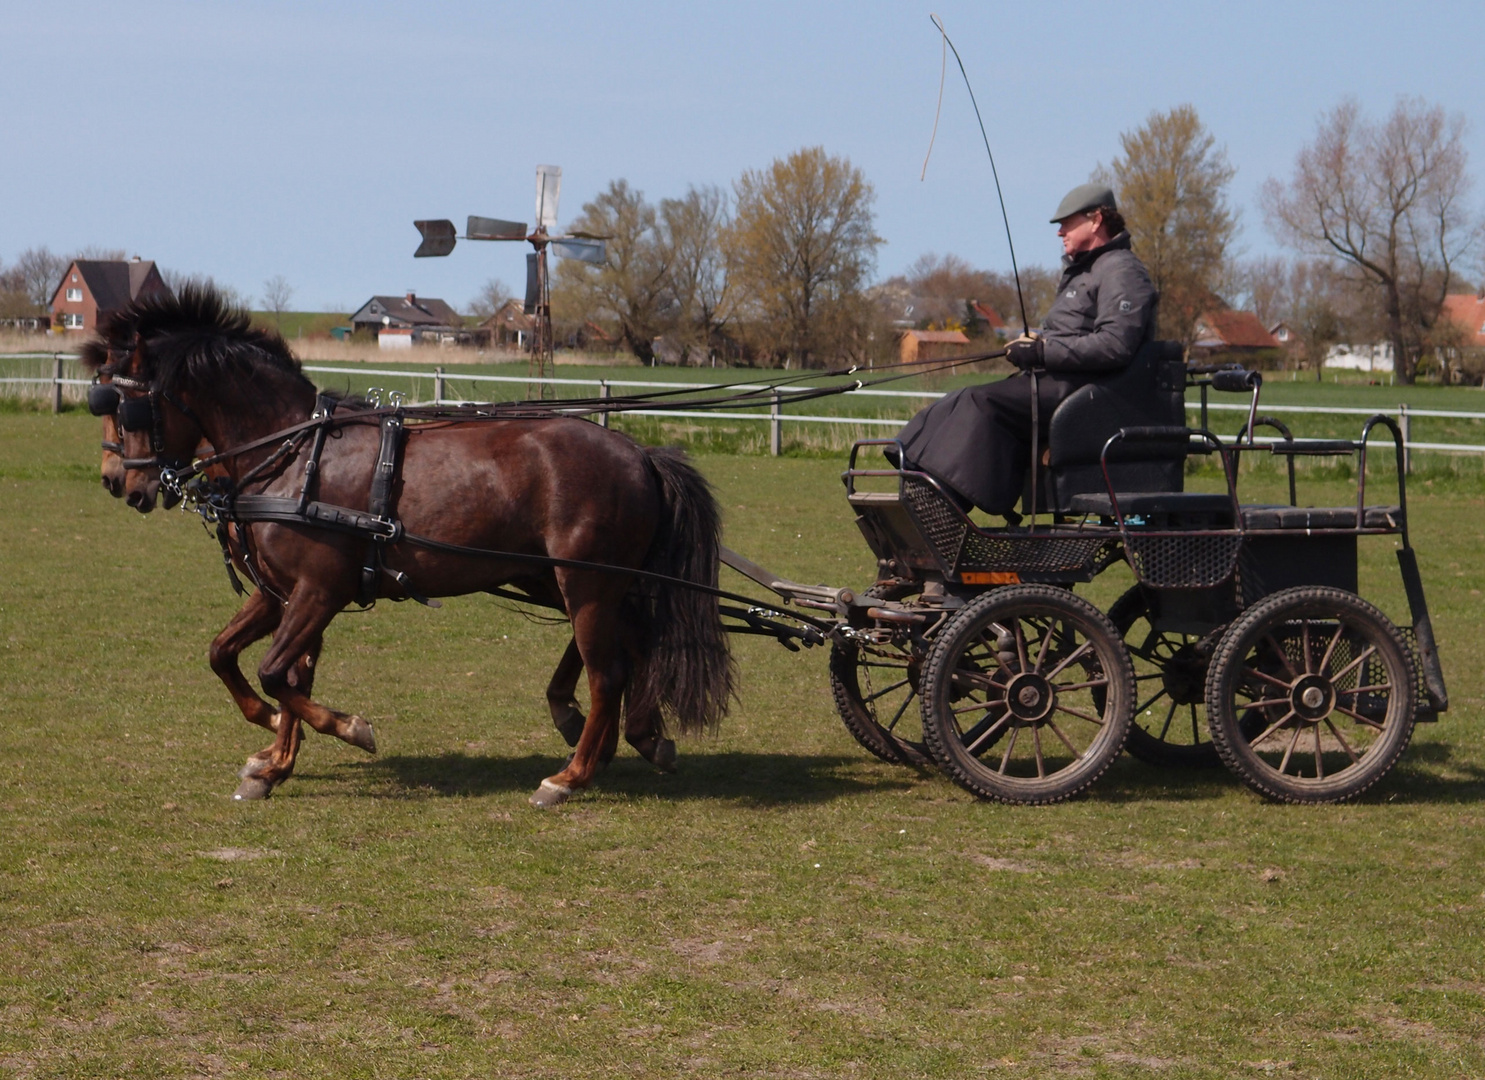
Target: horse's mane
{"x": 194, "y": 337}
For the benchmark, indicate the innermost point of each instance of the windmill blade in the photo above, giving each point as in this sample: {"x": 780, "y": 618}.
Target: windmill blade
{"x": 533, "y": 283}
{"x": 485, "y": 228}
{"x": 589, "y": 251}
{"x": 590, "y": 235}
{"x": 548, "y": 190}
{"x": 438, "y": 238}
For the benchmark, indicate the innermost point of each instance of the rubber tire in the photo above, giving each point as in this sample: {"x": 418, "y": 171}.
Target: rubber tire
{"x": 964, "y": 631}
{"x": 1246, "y": 631}
{"x": 859, "y": 716}
{"x": 1128, "y": 612}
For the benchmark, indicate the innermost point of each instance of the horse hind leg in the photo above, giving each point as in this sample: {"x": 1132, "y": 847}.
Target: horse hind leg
{"x": 562, "y": 702}
{"x": 643, "y": 727}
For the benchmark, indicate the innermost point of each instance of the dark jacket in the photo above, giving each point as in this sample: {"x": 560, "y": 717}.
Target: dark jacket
{"x": 1104, "y": 311}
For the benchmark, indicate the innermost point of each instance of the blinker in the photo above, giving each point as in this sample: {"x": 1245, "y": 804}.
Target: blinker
{"x": 136, "y": 414}
{"x": 103, "y": 399}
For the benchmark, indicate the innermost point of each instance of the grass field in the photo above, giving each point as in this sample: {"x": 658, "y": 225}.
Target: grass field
{"x": 783, "y": 906}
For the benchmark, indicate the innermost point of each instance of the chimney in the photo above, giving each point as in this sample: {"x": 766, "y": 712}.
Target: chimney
{"x": 135, "y": 259}
{"x": 412, "y": 298}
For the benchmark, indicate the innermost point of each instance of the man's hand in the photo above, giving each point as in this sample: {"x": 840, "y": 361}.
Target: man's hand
{"x": 1026, "y": 352}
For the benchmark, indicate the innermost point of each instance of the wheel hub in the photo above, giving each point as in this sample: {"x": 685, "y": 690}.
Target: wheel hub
{"x": 1184, "y": 676}
{"x": 1312, "y": 698}
{"x": 1030, "y": 697}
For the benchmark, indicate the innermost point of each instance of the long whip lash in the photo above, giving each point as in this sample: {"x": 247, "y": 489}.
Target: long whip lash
{"x": 1020, "y": 298}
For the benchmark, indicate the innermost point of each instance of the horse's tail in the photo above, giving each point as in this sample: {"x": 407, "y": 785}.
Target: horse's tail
{"x": 684, "y": 665}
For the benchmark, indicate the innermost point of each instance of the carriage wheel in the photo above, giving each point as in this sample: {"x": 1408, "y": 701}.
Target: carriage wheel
{"x": 1027, "y": 695}
{"x": 1170, "y": 671}
{"x": 1333, "y": 683}
{"x": 876, "y": 694}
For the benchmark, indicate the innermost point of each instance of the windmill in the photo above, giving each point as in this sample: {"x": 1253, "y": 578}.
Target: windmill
{"x": 439, "y": 237}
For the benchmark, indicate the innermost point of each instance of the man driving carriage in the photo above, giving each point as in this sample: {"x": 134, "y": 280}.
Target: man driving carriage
{"x": 977, "y": 440}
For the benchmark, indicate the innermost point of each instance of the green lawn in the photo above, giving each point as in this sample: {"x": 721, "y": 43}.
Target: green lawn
{"x": 783, "y": 906}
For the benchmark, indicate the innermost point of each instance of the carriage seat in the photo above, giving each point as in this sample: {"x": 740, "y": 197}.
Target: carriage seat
{"x": 1191, "y": 510}
{"x": 1150, "y": 392}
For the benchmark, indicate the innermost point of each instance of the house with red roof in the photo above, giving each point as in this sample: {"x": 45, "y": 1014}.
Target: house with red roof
{"x": 1467, "y": 312}
{"x": 920, "y": 346}
{"x": 1228, "y": 332}
{"x": 93, "y": 288}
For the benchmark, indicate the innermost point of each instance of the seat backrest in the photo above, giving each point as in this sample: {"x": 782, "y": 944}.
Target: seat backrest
{"x": 1150, "y": 392}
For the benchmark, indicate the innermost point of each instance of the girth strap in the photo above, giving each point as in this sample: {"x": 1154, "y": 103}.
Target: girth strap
{"x": 378, "y": 502}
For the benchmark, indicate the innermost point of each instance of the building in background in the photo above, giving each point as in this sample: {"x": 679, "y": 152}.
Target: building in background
{"x": 93, "y": 288}
{"x": 399, "y": 321}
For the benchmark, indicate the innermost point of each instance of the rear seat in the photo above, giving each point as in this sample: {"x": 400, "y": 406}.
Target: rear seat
{"x": 1194, "y": 509}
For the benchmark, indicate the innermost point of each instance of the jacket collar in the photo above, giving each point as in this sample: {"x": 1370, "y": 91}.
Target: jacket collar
{"x": 1074, "y": 264}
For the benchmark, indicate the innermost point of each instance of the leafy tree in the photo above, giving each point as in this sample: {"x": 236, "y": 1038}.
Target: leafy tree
{"x": 1385, "y": 204}
{"x": 1171, "y": 183}
{"x": 803, "y": 246}
{"x": 633, "y": 288}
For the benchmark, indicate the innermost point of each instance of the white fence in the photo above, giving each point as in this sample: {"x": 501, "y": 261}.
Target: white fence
{"x": 774, "y": 416}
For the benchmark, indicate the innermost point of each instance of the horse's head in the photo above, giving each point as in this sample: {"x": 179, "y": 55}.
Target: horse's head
{"x": 146, "y": 426}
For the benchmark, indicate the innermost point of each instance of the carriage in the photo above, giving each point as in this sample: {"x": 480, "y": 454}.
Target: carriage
{"x": 1243, "y": 640}
{"x": 970, "y": 650}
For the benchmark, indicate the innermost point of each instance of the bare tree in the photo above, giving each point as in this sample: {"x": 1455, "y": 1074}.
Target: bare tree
{"x": 803, "y": 245}
{"x": 942, "y": 285}
{"x": 700, "y": 279}
{"x": 492, "y": 296}
{"x": 1387, "y": 204}
{"x": 277, "y": 292}
{"x": 40, "y": 272}
{"x": 632, "y": 289}
{"x": 1171, "y": 184}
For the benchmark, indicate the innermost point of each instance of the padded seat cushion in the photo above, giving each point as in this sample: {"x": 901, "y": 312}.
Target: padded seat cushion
{"x": 1323, "y": 517}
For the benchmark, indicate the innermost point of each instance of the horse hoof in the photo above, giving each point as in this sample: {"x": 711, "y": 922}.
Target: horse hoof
{"x": 570, "y": 726}
{"x": 252, "y": 789}
{"x": 550, "y": 794}
{"x": 664, "y": 758}
{"x": 256, "y": 766}
{"x": 358, "y": 732}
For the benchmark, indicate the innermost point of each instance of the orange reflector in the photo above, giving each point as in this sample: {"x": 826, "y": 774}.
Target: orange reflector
{"x": 990, "y": 577}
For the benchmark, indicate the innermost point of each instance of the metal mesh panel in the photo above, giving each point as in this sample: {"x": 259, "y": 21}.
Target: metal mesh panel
{"x": 1182, "y": 562}
{"x": 963, "y": 548}
{"x": 1372, "y": 672}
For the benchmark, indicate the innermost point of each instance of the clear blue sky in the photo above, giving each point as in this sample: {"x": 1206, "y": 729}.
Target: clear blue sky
{"x": 251, "y": 139}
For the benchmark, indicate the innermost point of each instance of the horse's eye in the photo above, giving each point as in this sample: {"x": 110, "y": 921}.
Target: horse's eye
{"x": 103, "y": 399}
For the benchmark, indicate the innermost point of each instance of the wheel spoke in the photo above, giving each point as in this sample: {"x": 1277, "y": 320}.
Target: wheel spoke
{"x": 1195, "y": 734}
{"x": 1275, "y": 726}
{"x": 1041, "y": 655}
{"x": 902, "y": 709}
{"x": 1319, "y": 758}
{"x": 1079, "y": 715}
{"x": 1284, "y": 764}
{"x": 1265, "y": 676}
{"x": 1267, "y": 702}
{"x": 1036, "y": 743}
{"x": 1152, "y": 701}
{"x": 1368, "y": 721}
{"x": 1339, "y": 675}
{"x": 976, "y": 706}
{"x": 885, "y": 690}
{"x": 1005, "y": 758}
{"x": 1074, "y": 655}
{"x": 1366, "y": 689}
{"x": 1330, "y": 649}
{"x": 1065, "y": 740}
{"x": 1304, "y": 637}
{"x": 1282, "y": 655}
{"x": 1355, "y": 760}
{"x": 980, "y": 738}
{"x": 1069, "y": 687}
{"x": 1020, "y": 644}
{"x": 1169, "y": 716}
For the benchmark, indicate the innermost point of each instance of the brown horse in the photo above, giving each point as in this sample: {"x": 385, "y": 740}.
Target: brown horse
{"x": 560, "y": 489}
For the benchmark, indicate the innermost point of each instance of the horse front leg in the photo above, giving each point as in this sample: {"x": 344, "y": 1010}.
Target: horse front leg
{"x": 567, "y": 716}
{"x": 255, "y": 620}
{"x": 285, "y": 676}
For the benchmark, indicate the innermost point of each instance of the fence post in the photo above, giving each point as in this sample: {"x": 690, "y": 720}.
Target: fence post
{"x": 776, "y": 426}
{"x": 56, "y": 382}
{"x": 1405, "y": 422}
{"x": 438, "y": 387}
{"x": 603, "y": 393}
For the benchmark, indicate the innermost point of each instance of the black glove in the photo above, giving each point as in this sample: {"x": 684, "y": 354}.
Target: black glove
{"x": 1026, "y": 353}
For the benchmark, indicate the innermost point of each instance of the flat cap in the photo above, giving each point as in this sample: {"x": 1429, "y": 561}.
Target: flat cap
{"x": 1083, "y": 197}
